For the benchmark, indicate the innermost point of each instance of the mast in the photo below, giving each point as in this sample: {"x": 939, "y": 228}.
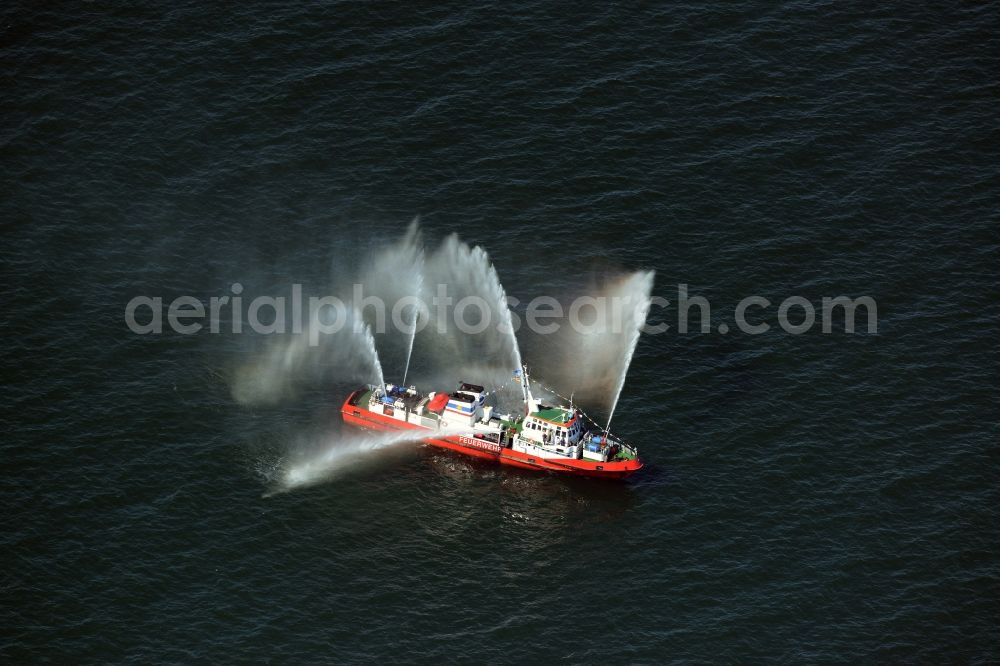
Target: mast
{"x": 526, "y": 389}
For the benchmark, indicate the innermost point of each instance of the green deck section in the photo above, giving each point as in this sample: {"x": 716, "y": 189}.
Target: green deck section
{"x": 516, "y": 425}
{"x": 554, "y": 414}
{"x": 625, "y": 454}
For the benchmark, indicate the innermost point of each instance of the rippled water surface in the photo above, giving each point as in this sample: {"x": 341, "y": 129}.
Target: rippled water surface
{"x": 808, "y": 498}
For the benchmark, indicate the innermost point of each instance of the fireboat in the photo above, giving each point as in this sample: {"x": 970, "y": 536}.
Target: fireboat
{"x": 548, "y": 437}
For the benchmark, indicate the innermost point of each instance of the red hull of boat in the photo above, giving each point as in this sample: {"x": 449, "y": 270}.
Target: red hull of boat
{"x": 361, "y": 416}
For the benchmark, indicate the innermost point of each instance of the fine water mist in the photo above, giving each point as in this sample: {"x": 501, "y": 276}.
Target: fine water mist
{"x": 284, "y": 363}
{"x": 386, "y": 320}
{"x": 399, "y": 275}
{"x": 349, "y": 451}
{"x": 469, "y": 273}
{"x": 364, "y": 331}
{"x": 394, "y": 276}
{"x": 591, "y": 361}
{"x": 415, "y": 315}
{"x": 636, "y": 291}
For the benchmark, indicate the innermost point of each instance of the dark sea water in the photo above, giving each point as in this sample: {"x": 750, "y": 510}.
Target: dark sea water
{"x": 808, "y": 498}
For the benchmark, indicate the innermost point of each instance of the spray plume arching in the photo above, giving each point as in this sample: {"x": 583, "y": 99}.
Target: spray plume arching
{"x": 469, "y": 272}
{"x": 364, "y": 332}
{"x": 591, "y": 362}
{"x": 418, "y": 292}
{"x": 351, "y": 354}
{"x": 399, "y": 270}
{"x": 275, "y": 373}
{"x": 639, "y": 288}
{"x": 395, "y": 274}
{"x": 406, "y": 270}
{"x": 591, "y": 365}
{"x": 341, "y": 454}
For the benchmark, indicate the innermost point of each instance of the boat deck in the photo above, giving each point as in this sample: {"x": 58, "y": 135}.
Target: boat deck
{"x": 362, "y": 399}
